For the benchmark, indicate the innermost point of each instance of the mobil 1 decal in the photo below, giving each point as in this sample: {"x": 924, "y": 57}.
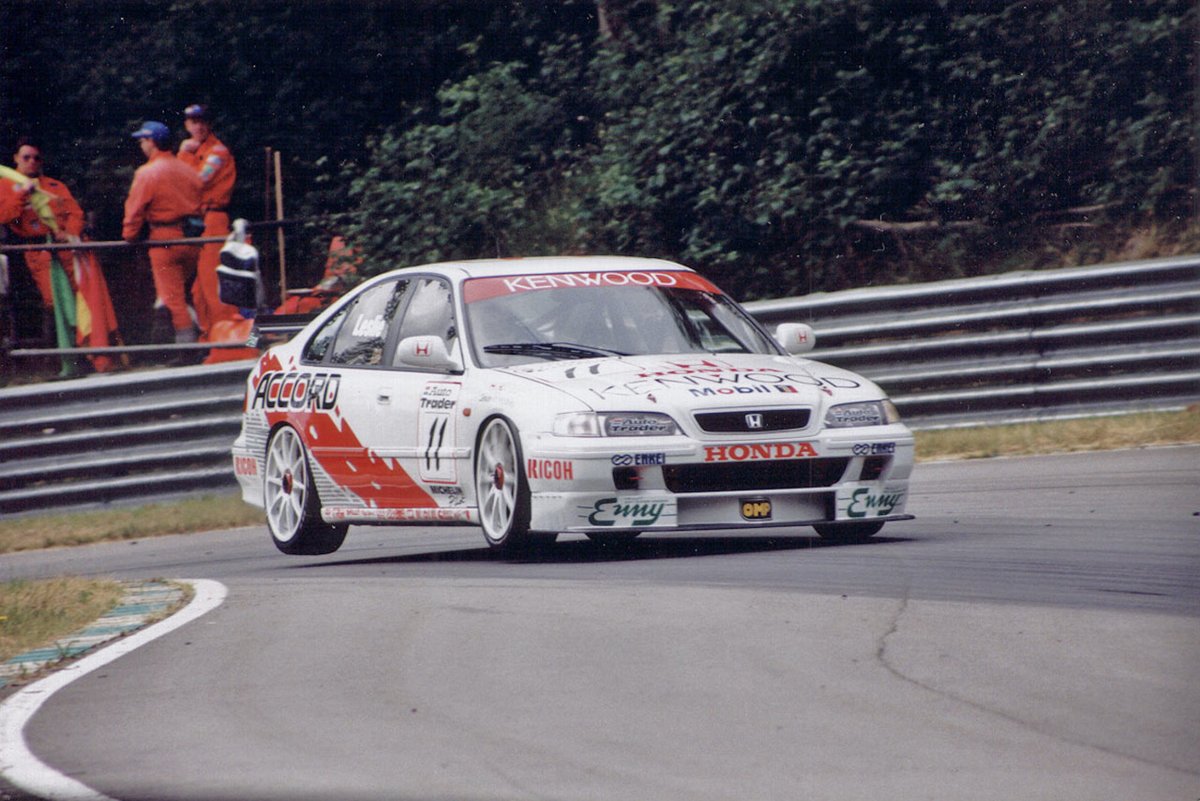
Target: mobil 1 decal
{"x": 436, "y": 421}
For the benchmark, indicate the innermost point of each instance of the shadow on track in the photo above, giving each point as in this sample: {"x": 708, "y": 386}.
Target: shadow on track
{"x": 588, "y": 551}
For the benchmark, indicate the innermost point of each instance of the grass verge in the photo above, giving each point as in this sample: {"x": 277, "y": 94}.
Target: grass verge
{"x": 205, "y": 513}
{"x": 1090, "y": 434}
{"x": 33, "y": 613}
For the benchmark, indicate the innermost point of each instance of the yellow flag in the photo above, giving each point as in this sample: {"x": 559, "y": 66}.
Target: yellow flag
{"x": 40, "y": 199}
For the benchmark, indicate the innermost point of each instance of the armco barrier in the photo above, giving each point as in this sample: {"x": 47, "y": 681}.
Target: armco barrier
{"x": 1016, "y": 347}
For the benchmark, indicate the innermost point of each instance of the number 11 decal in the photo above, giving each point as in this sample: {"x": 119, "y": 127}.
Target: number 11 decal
{"x": 436, "y": 423}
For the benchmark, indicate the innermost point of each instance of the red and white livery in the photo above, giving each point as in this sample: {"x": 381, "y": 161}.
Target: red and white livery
{"x": 602, "y": 395}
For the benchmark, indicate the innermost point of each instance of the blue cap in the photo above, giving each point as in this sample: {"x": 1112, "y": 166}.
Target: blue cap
{"x": 196, "y": 111}
{"x": 152, "y": 129}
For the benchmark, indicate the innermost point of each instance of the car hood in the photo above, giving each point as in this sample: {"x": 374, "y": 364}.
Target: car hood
{"x": 690, "y": 382}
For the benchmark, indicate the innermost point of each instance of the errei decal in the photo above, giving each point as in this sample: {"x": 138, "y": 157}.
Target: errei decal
{"x": 874, "y": 448}
{"x": 638, "y": 459}
{"x": 245, "y": 466}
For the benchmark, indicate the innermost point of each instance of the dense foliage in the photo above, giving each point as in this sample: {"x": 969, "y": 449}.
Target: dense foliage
{"x": 779, "y": 145}
{"x": 773, "y": 143}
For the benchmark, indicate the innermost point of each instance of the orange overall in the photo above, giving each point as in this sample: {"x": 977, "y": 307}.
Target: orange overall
{"x": 214, "y": 164}
{"x": 19, "y": 215}
{"x": 164, "y": 192}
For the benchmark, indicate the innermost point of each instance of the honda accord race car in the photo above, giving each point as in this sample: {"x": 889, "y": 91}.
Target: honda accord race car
{"x": 599, "y": 395}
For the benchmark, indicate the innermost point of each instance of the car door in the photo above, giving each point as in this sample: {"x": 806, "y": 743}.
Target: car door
{"x": 432, "y": 445}
{"x": 356, "y": 442}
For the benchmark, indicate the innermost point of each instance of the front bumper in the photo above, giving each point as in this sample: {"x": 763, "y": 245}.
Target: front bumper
{"x": 673, "y": 485}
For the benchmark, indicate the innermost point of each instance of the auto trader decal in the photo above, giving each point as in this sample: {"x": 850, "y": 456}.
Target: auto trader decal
{"x": 437, "y": 426}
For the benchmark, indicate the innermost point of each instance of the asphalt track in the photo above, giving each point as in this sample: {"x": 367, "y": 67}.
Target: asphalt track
{"x": 1034, "y": 634}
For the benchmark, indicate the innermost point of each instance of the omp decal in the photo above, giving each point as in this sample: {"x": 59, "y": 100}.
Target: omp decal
{"x": 874, "y": 448}
{"x": 245, "y": 466}
{"x": 550, "y": 470}
{"x": 759, "y": 452}
{"x": 437, "y": 428}
{"x": 636, "y": 459}
{"x": 477, "y": 289}
{"x": 296, "y": 390}
{"x": 627, "y": 514}
{"x": 756, "y": 509}
{"x": 870, "y": 502}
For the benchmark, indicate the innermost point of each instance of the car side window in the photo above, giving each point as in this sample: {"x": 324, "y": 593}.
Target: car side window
{"x": 360, "y": 340}
{"x": 430, "y": 312}
{"x": 318, "y": 346}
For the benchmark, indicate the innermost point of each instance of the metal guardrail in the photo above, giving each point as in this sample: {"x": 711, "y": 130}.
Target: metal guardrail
{"x": 1017, "y": 347}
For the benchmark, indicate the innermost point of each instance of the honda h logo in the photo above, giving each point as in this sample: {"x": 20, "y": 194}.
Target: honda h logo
{"x": 754, "y": 421}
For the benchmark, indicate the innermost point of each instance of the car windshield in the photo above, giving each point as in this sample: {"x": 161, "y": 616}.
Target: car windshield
{"x": 522, "y": 319}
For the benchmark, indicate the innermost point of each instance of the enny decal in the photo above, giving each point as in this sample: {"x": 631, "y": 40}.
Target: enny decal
{"x": 759, "y": 452}
{"x": 867, "y": 502}
{"x": 639, "y": 514}
{"x": 296, "y": 391}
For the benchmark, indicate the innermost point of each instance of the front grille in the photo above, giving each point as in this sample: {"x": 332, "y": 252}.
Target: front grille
{"x": 748, "y": 476}
{"x": 739, "y": 422}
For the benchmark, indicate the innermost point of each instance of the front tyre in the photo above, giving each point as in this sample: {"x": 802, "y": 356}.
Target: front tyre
{"x": 848, "y": 532}
{"x": 501, "y": 489}
{"x": 293, "y": 508}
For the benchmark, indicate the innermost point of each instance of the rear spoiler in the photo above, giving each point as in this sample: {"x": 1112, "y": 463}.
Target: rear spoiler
{"x": 270, "y": 329}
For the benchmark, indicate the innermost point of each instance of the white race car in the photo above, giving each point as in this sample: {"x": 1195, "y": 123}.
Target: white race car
{"x": 603, "y": 395}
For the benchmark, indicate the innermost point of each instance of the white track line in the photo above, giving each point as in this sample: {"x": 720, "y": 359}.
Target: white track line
{"x": 18, "y": 764}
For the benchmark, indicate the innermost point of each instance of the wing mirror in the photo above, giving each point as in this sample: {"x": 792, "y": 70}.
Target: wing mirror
{"x": 429, "y": 352}
{"x": 796, "y": 337}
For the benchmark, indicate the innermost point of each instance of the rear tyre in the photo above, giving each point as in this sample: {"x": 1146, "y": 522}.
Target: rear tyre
{"x": 293, "y": 508}
{"x": 502, "y": 491}
{"x": 847, "y": 532}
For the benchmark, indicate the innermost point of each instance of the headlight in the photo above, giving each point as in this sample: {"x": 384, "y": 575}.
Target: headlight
{"x": 868, "y": 413}
{"x": 614, "y": 424}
